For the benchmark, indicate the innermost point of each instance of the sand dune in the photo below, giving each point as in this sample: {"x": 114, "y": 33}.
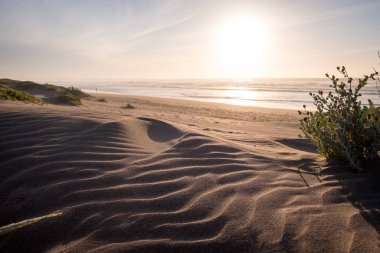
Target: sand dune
{"x": 178, "y": 179}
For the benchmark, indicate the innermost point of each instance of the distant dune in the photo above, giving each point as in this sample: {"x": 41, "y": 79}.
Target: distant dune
{"x": 169, "y": 175}
{"x": 41, "y": 93}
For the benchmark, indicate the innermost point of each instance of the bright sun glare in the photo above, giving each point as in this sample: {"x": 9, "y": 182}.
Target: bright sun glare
{"x": 241, "y": 43}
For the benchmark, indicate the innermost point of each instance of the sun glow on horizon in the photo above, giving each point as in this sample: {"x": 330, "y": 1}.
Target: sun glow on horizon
{"x": 241, "y": 44}
{"x": 150, "y": 39}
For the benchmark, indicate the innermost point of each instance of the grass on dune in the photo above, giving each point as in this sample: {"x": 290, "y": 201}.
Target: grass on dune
{"x": 77, "y": 92}
{"x": 7, "y": 93}
{"x": 63, "y": 95}
{"x": 68, "y": 98}
{"x": 28, "y": 85}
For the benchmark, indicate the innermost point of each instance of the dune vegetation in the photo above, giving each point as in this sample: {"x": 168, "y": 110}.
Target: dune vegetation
{"x": 342, "y": 127}
{"x": 54, "y": 94}
{"x": 7, "y": 93}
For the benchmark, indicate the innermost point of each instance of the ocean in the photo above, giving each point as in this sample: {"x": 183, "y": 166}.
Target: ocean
{"x": 286, "y": 93}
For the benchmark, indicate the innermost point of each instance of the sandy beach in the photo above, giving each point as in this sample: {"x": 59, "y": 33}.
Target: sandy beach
{"x": 174, "y": 176}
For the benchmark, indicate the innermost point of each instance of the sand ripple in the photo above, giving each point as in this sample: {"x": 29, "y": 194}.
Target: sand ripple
{"x": 145, "y": 185}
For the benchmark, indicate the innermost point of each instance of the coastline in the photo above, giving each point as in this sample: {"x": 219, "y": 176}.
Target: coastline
{"x": 289, "y": 93}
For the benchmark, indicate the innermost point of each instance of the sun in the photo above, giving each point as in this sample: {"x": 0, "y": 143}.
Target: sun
{"x": 241, "y": 43}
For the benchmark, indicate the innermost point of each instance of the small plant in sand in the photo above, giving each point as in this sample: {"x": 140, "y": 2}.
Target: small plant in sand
{"x": 127, "y": 106}
{"x": 341, "y": 126}
{"x": 101, "y": 99}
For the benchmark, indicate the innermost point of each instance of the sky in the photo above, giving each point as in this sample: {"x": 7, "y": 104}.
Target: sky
{"x": 152, "y": 39}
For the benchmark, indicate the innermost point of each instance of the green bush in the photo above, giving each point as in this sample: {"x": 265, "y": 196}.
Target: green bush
{"x": 341, "y": 126}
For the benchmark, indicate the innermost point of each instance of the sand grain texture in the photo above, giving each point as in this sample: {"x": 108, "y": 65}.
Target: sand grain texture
{"x": 171, "y": 176}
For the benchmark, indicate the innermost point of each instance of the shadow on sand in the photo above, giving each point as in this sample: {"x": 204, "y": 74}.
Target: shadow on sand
{"x": 361, "y": 189}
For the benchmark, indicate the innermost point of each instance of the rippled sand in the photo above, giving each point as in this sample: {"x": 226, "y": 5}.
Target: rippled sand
{"x": 174, "y": 176}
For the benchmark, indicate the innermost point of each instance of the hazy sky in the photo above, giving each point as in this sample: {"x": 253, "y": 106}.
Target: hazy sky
{"x": 181, "y": 39}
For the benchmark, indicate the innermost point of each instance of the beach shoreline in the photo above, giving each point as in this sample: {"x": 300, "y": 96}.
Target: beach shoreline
{"x": 287, "y": 93}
